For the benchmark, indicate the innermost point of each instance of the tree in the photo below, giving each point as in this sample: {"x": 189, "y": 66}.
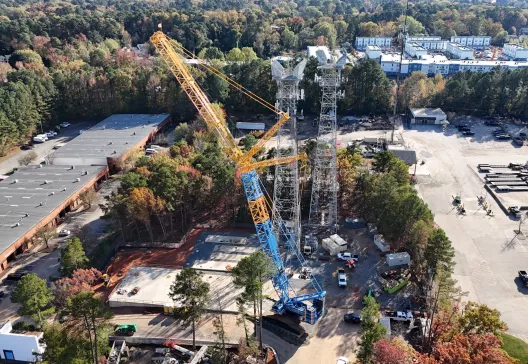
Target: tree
{"x": 62, "y": 346}
{"x": 369, "y": 29}
{"x": 192, "y": 295}
{"x": 82, "y": 280}
{"x": 393, "y": 351}
{"x": 211, "y": 53}
{"x": 25, "y": 58}
{"x": 73, "y": 257}
{"x": 249, "y": 54}
{"x": 480, "y": 319}
{"x": 89, "y": 312}
{"x": 248, "y": 141}
{"x": 326, "y": 30}
{"x": 414, "y": 27}
{"x": 235, "y": 55}
{"x": 250, "y": 273}
{"x": 33, "y": 296}
{"x": 439, "y": 250}
{"x": 371, "y": 329}
{"x": 27, "y": 158}
{"x": 46, "y": 233}
{"x": 88, "y": 198}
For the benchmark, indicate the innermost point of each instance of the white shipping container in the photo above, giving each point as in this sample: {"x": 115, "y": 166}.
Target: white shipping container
{"x": 338, "y": 240}
{"x": 398, "y": 259}
{"x": 381, "y": 244}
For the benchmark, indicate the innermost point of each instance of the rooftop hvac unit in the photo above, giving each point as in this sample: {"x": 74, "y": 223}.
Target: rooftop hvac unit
{"x": 47, "y": 182}
{"x": 15, "y": 181}
{"x": 77, "y": 179}
{"x": 52, "y": 193}
{"x": 64, "y": 189}
{"x": 16, "y": 224}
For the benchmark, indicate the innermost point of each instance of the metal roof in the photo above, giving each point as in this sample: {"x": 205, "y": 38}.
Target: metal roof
{"x": 112, "y": 137}
{"x": 32, "y": 193}
{"x": 427, "y": 112}
{"x": 408, "y": 156}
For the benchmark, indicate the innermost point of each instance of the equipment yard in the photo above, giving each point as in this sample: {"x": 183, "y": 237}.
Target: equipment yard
{"x": 488, "y": 251}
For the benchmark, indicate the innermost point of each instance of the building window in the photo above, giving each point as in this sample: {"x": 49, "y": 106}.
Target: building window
{"x": 8, "y": 355}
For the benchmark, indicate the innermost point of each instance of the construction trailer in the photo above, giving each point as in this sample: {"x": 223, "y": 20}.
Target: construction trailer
{"x": 396, "y": 259}
{"x": 380, "y": 242}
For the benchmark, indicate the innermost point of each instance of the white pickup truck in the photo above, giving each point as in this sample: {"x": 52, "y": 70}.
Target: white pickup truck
{"x": 341, "y": 278}
{"x": 399, "y": 315}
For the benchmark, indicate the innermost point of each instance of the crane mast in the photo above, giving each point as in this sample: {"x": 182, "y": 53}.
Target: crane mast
{"x": 309, "y": 306}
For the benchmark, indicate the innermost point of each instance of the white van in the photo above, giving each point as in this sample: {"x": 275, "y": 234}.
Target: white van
{"x": 41, "y": 138}
{"x": 149, "y": 151}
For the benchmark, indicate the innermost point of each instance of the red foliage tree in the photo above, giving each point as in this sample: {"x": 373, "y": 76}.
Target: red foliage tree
{"x": 472, "y": 349}
{"x": 82, "y": 280}
{"x": 394, "y": 351}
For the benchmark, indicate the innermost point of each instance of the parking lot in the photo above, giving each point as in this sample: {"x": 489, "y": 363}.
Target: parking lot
{"x": 487, "y": 254}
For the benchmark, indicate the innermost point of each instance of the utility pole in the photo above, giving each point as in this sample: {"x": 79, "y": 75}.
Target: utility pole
{"x": 323, "y": 204}
{"x": 286, "y": 198}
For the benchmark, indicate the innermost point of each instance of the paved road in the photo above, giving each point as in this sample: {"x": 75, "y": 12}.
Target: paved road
{"x": 43, "y": 149}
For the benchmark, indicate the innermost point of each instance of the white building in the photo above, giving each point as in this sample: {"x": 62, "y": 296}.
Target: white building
{"x": 414, "y": 50}
{"x": 431, "y": 44}
{"x": 421, "y": 38}
{"x": 20, "y": 347}
{"x": 373, "y": 52}
{"x": 515, "y": 52}
{"x": 459, "y": 51}
{"x": 472, "y": 41}
{"x": 312, "y": 51}
{"x": 382, "y": 42}
{"x": 428, "y": 116}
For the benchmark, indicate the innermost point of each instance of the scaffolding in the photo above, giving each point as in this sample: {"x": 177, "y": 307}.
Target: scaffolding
{"x": 323, "y": 204}
{"x": 286, "y": 199}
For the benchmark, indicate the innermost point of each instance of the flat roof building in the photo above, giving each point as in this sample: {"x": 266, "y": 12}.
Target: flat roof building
{"x": 20, "y": 346}
{"x": 472, "y": 41}
{"x": 38, "y": 196}
{"x": 415, "y": 50}
{"x": 428, "y": 116}
{"x": 373, "y": 52}
{"x": 515, "y": 52}
{"x": 459, "y": 51}
{"x": 110, "y": 140}
{"x": 382, "y": 42}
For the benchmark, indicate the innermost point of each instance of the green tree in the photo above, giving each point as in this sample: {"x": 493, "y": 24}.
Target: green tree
{"x": 235, "y": 55}
{"x": 439, "y": 250}
{"x": 414, "y": 27}
{"x": 249, "y": 54}
{"x": 289, "y": 39}
{"x": 326, "y": 30}
{"x": 192, "y": 295}
{"x": 89, "y": 312}
{"x": 211, "y": 53}
{"x": 26, "y": 58}
{"x": 371, "y": 330}
{"x": 63, "y": 347}
{"x": 33, "y": 296}
{"x": 248, "y": 141}
{"x": 72, "y": 257}
{"x": 250, "y": 273}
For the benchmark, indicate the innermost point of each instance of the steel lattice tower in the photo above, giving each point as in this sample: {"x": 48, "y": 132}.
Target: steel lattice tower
{"x": 323, "y": 204}
{"x": 286, "y": 200}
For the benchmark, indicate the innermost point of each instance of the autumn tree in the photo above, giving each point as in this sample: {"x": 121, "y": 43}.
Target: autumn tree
{"x": 46, "y": 233}
{"x": 393, "y": 351}
{"x": 480, "y": 319}
{"x": 88, "y": 198}
{"x": 82, "y": 280}
{"x": 192, "y": 295}
{"x": 33, "y": 295}
{"x": 27, "y": 158}
{"x": 143, "y": 204}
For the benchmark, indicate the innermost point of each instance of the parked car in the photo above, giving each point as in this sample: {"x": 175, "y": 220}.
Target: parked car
{"x": 522, "y": 274}
{"x": 518, "y": 141}
{"x": 502, "y": 137}
{"x": 149, "y": 151}
{"x": 64, "y": 232}
{"x": 40, "y": 138}
{"x": 51, "y": 134}
{"x": 468, "y": 133}
{"x": 64, "y": 124}
{"x": 341, "y": 278}
{"x": 342, "y": 360}
{"x": 352, "y": 318}
{"x": 347, "y": 256}
{"x": 26, "y": 147}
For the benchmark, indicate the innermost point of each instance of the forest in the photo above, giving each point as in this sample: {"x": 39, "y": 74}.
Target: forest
{"x": 72, "y": 60}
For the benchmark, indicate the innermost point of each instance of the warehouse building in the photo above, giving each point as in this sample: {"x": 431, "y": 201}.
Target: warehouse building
{"x": 515, "y": 52}
{"x": 459, "y": 51}
{"x": 472, "y": 41}
{"x": 108, "y": 142}
{"x": 427, "y": 116}
{"x": 38, "y": 196}
{"x": 382, "y": 42}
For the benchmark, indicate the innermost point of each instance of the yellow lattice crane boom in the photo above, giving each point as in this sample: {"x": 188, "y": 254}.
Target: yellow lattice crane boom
{"x": 172, "y": 53}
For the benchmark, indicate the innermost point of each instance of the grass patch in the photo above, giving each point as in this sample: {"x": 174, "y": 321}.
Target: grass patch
{"x": 516, "y": 348}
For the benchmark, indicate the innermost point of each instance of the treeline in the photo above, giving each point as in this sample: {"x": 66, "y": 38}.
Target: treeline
{"x": 501, "y": 92}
